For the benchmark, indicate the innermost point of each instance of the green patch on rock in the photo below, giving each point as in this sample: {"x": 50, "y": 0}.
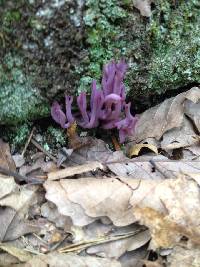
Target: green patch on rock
{"x": 163, "y": 51}
{"x": 175, "y": 40}
{"x": 19, "y": 100}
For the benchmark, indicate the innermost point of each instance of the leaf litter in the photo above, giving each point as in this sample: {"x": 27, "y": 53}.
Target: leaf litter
{"x": 107, "y": 208}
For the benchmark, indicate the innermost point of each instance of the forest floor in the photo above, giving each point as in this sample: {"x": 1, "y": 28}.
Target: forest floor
{"x": 136, "y": 205}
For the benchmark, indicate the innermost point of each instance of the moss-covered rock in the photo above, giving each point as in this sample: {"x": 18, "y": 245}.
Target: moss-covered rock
{"x": 163, "y": 51}
{"x": 51, "y": 47}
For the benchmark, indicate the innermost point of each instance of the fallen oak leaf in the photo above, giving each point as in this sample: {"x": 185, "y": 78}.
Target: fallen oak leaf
{"x": 157, "y": 120}
{"x": 116, "y": 199}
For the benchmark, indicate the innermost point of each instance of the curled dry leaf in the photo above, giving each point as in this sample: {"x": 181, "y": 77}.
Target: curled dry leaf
{"x": 165, "y": 116}
{"x": 135, "y": 150}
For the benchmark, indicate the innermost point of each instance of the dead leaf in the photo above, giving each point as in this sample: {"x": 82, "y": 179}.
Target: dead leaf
{"x": 70, "y": 260}
{"x": 20, "y": 254}
{"x": 193, "y": 112}
{"x": 86, "y": 199}
{"x": 165, "y": 116}
{"x": 113, "y": 197}
{"x": 71, "y": 171}
{"x": 135, "y": 150}
{"x": 40, "y": 167}
{"x": 184, "y": 136}
{"x": 19, "y": 160}
{"x": 50, "y": 211}
{"x": 6, "y": 160}
{"x": 184, "y": 257}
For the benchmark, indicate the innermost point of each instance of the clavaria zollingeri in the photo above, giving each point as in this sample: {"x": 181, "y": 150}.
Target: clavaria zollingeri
{"x": 108, "y": 108}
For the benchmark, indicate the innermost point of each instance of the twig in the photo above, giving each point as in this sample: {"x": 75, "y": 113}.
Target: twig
{"x": 28, "y": 141}
{"x": 46, "y": 152}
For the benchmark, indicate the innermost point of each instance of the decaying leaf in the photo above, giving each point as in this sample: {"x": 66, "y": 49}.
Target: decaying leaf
{"x": 165, "y": 116}
{"x": 86, "y": 199}
{"x": 114, "y": 198}
{"x": 50, "y": 211}
{"x": 70, "y": 260}
{"x": 184, "y": 257}
{"x": 20, "y": 254}
{"x": 6, "y": 160}
{"x": 184, "y": 136}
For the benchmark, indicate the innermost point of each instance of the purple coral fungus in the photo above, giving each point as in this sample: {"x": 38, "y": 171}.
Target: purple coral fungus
{"x": 108, "y": 108}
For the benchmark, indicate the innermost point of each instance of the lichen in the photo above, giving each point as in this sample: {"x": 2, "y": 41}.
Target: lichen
{"x": 19, "y": 100}
{"x": 105, "y": 35}
{"x": 174, "y": 36}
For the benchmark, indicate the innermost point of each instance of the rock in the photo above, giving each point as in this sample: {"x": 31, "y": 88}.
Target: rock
{"x": 53, "y": 47}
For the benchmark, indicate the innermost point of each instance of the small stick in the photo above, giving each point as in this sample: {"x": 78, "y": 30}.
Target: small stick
{"x": 115, "y": 143}
{"x": 27, "y": 142}
{"x": 45, "y": 152}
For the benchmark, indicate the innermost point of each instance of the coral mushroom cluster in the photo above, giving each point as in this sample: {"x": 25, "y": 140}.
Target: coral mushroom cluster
{"x": 108, "y": 108}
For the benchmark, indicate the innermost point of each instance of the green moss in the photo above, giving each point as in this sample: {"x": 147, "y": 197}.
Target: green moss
{"x": 174, "y": 36}
{"x": 19, "y": 100}
{"x": 104, "y": 23}
{"x": 163, "y": 51}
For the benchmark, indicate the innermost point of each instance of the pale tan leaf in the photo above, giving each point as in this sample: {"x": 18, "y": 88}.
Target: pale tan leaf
{"x": 94, "y": 198}
{"x": 20, "y": 254}
{"x": 8, "y": 186}
{"x": 57, "y": 194}
{"x": 135, "y": 150}
{"x": 70, "y": 260}
{"x": 184, "y": 257}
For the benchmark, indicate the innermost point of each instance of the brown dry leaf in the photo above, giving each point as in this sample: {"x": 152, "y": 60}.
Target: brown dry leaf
{"x": 96, "y": 151}
{"x": 117, "y": 248}
{"x": 86, "y": 199}
{"x": 192, "y": 110}
{"x": 50, "y": 211}
{"x": 165, "y": 116}
{"x": 184, "y": 257}
{"x": 71, "y": 171}
{"x": 39, "y": 168}
{"x": 135, "y": 150}
{"x": 125, "y": 200}
{"x": 70, "y": 260}
{"x": 144, "y": 7}
{"x": 6, "y": 160}
{"x": 20, "y": 254}
{"x": 184, "y": 136}
{"x": 14, "y": 202}
{"x": 13, "y": 226}
{"x": 113, "y": 249}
